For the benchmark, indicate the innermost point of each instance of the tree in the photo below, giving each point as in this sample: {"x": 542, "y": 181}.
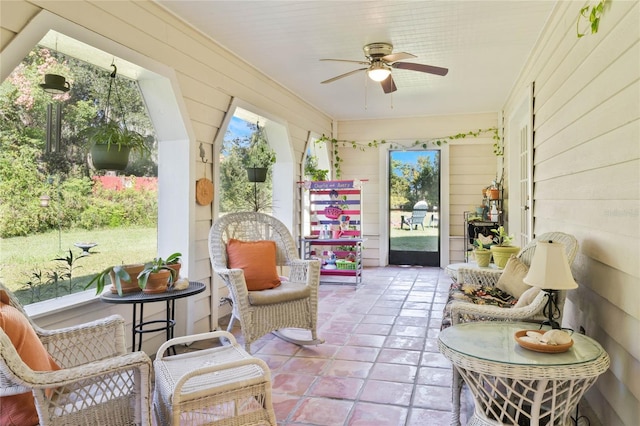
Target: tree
{"x": 238, "y": 154}
{"x": 28, "y": 171}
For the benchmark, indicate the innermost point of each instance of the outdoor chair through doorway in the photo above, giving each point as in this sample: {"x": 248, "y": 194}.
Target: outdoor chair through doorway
{"x": 290, "y": 310}
{"x": 417, "y": 216}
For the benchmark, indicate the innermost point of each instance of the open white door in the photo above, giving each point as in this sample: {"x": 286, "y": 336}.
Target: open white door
{"x": 520, "y": 131}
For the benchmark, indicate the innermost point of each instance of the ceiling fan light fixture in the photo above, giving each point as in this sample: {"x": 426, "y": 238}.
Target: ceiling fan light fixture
{"x": 378, "y": 71}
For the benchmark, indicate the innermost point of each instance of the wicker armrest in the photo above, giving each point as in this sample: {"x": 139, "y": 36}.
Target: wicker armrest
{"x": 233, "y": 278}
{"x": 304, "y": 271}
{"x": 72, "y": 346}
{"x": 460, "y": 309}
{"x": 486, "y": 277}
{"x": 96, "y": 372}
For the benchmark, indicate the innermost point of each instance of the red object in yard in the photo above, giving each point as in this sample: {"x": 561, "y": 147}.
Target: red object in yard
{"x": 118, "y": 183}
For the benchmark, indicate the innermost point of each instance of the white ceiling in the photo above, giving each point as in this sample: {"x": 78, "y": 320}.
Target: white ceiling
{"x": 484, "y": 44}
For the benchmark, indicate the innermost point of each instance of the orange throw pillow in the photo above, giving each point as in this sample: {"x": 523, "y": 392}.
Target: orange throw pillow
{"x": 19, "y": 410}
{"x": 258, "y": 261}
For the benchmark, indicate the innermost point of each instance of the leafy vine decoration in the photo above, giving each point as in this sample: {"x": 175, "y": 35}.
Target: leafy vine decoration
{"x": 593, "y": 15}
{"x": 498, "y": 147}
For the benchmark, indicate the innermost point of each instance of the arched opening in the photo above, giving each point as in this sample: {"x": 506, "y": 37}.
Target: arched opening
{"x": 283, "y": 172}
{"x": 158, "y": 86}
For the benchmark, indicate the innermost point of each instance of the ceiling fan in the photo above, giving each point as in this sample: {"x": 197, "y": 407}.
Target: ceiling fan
{"x": 380, "y": 61}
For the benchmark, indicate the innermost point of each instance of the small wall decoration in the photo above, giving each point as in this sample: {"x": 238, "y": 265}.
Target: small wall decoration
{"x": 204, "y": 191}
{"x": 204, "y": 187}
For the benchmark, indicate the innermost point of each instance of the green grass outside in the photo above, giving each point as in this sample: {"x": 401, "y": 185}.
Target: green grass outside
{"x": 412, "y": 240}
{"x": 21, "y": 256}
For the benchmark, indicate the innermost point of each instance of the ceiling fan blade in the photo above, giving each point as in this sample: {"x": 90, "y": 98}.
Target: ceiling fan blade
{"x": 397, "y": 57}
{"x": 388, "y": 85}
{"x": 343, "y": 75}
{"x": 347, "y": 60}
{"x": 420, "y": 67}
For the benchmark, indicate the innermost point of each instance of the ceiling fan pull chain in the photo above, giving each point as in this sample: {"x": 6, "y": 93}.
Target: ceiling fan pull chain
{"x": 366, "y": 86}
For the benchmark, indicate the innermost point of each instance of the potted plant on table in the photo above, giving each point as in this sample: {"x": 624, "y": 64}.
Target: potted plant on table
{"x": 124, "y": 279}
{"x": 159, "y": 274}
{"x": 481, "y": 253}
{"x": 502, "y": 249}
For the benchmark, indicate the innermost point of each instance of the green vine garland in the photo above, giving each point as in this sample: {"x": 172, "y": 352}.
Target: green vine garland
{"x": 498, "y": 148}
{"x": 593, "y": 15}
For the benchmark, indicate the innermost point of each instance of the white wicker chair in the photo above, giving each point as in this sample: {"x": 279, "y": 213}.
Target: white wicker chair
{"x": 464, "y": 311}
{"x": 99, "y": 383}
{"x": 294, "y": 303}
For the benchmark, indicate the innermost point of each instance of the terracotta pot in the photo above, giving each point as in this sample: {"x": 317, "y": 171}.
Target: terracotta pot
{"x": 483, "y": 257}
{"x": 493, "y": 194}
{"x": 501, "y": 254}
{"x": 158, "y": 282}
{"x": 176, "y": 270}
{"x": 130, "y": 286}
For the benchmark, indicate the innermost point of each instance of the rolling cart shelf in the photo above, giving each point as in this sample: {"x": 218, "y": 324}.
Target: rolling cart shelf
{"x": 335, "y": 210}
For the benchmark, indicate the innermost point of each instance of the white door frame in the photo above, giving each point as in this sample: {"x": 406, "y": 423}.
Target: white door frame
{"x": 519, "y": 134}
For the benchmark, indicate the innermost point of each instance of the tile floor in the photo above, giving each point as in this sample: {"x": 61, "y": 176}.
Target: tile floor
{"x": 380, "y": 363}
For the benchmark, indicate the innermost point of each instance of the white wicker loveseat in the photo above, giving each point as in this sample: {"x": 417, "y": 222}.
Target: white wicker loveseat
{"x": 474, "y": 296}
{"x": 291, "y": 305}
{"x": 98, "y": 383}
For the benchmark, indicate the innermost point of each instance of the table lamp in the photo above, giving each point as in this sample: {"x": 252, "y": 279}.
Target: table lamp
{"x": 550, "y": 271}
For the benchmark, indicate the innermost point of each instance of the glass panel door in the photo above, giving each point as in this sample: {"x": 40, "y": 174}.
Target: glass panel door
{"x": 414, "y": 208}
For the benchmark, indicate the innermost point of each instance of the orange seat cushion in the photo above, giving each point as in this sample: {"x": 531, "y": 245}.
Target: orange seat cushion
{"x": 19, "y": 410}
{"x": 257, "y": 259}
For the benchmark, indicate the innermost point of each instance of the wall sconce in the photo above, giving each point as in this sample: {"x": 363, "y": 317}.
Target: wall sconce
{"x": 44, "y": 200}
{"x": 55, "y": 84}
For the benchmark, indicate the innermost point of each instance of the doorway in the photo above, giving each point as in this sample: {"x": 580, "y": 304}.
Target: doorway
{"x": 414, "y": 207}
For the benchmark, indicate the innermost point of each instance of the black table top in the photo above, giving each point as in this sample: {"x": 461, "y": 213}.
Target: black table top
{"x": 141, "y": 297}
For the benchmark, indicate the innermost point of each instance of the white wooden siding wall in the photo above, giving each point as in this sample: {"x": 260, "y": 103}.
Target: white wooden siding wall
{"x": 208, "y": 78}
{"x": 472, "y": 167}
{"x": 587, "y": 183}
{"x": 465, "y": 184}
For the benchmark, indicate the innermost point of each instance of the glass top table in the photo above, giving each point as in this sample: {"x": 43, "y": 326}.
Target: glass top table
{"x": 485, "y": 341}
{"x": 513, "y": 385}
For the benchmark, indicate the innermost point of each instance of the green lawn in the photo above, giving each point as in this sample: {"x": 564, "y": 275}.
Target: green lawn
{"x": 415, "y": 239}
{"x": 20, "y": 257}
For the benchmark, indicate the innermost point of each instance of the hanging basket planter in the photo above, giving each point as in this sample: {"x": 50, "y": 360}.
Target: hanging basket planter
{"x": 109, "y": 158}
{"x": 110, "y": 141}
{"x": 257, "y": 174}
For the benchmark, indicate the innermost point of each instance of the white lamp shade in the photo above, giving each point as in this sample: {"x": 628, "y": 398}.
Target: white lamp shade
{"x": 550, "y": 268}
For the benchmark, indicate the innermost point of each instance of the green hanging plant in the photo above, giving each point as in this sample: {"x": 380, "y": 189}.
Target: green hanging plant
{"x": 498, "y": 147}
